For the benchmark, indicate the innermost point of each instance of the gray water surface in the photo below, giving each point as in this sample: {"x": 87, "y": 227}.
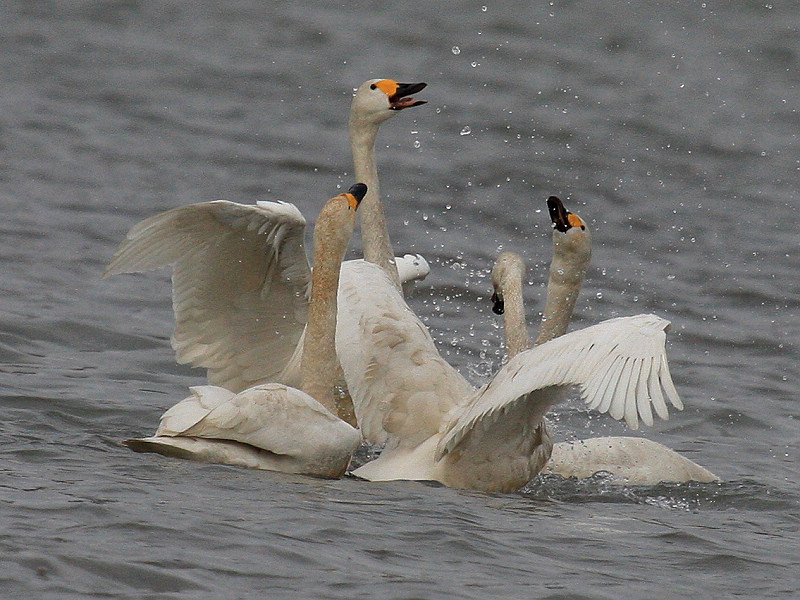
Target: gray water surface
{"x": 670, "y": 127}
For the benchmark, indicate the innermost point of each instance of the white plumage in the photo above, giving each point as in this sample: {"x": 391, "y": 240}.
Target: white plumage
{"x": 630, "y": 460}
{"x": 272, "y": 425}
{"x": 240, "y": 272}
{"x": 435, "y": 426}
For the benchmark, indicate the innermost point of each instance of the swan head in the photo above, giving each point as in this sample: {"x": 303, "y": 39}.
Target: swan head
{"x": 379, "y": 99}
{"x": 571, "y": 236}
{"x": 338, "y": 217}
{"x": 508, "y": 267}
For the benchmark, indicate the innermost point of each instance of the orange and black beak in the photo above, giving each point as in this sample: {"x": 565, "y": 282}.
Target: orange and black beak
{"x": 562, "y": 219}
{"x": 356, "y": 192}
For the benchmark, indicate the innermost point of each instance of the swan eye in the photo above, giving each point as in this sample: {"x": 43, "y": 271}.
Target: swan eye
{"x": 373, "y": 86}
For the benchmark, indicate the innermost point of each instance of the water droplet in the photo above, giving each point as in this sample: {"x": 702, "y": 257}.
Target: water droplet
{"x": 417, "y": 144}
{"x": 599, "y": 295}
{"x": 455, "y": 50}
{"x": 466, "y": 130}
{"x": 483, "y": 8}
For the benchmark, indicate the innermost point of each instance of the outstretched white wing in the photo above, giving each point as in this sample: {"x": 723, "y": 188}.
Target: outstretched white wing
{"x": 619, "y": 365}
{"x": 240, "y": 284}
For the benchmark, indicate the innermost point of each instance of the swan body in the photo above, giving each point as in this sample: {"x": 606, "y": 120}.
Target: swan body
{"x": 241, "y": 277}
{"x": 272, "y": 425}
{"x": 269, "y": 426}
{"x": 630, "y": 461}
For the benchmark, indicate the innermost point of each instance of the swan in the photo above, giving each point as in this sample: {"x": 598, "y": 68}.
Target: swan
{"x": 435, "y": 426}
{"x": 241, "y": 277}
{"x": 271, "y": 425}
{"x": 630, "y": 460}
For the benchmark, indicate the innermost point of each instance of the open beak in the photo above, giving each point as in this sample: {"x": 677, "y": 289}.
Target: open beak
{"x": 558, "y": 214}
{"x": 402, "y": 97}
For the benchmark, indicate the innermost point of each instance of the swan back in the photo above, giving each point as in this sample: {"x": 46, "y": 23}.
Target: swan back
{"x": 401, "y": 387}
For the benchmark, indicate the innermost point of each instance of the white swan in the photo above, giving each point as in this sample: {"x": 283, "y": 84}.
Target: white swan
{"x": 437, "y": 427}
{"x": 240, "y": 272}
{"x": 631, "y": 461}
{"x": 273, "y": 426}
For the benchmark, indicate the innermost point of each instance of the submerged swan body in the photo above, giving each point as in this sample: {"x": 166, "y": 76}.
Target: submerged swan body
{"x": 274, "y": 426}
{"x": 241, "y": 277}
{"x": 435, "y": 426}
{"x": 631, "y": 461}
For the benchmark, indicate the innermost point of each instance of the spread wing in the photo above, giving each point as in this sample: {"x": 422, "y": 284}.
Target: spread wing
{"x": 240, "y": 284}
{"x": 619, "y": 365}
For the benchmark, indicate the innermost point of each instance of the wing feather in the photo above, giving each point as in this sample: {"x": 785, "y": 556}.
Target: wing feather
{"x": 614, "y": 352}
{"x": 642, "y": 396}
{"x": 240, "y": 284}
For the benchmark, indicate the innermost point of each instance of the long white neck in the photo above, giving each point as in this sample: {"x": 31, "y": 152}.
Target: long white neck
{"x": 374, "y": 232}
{"x": 507, "y": 275}
{"x": 567, "y": 271}
{"x": 323, "y": 378}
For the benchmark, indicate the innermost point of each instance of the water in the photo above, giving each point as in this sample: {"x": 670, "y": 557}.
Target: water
{"x": 671, "y": 128}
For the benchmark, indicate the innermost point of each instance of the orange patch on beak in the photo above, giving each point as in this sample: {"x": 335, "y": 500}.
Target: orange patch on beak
{"x": 352, "y": 201}
{"x": 575, "y": 221}
{"x": 387, "y": 86}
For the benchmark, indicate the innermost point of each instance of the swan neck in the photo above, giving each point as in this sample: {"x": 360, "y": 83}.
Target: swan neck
{"x": 322, "y": 375}
{"x": 516, "y": 330}
{"x": 567, "y": 271}
{"x": 374, "y": 231}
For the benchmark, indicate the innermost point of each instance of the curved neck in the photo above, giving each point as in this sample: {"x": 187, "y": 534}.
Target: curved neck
{"x": 516, "y": 330}
{"x": 374, "y": 232}
{"x": 564, "y": 284}
{"x": 322, "y": 374}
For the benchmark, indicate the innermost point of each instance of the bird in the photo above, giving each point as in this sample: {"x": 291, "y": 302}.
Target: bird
{"x": 240, "y": 281}
{"x": 630, "y": 460}
{"x": 274, "y": 426}
{"x": 435, "y": 426}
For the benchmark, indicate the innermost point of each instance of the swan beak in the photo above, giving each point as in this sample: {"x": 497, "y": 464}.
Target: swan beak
{"x": 402, "y": 96}
{"x": 356, "y": 194}
{"x": 558, "y": 214}
{"x": 498, "y": 306}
